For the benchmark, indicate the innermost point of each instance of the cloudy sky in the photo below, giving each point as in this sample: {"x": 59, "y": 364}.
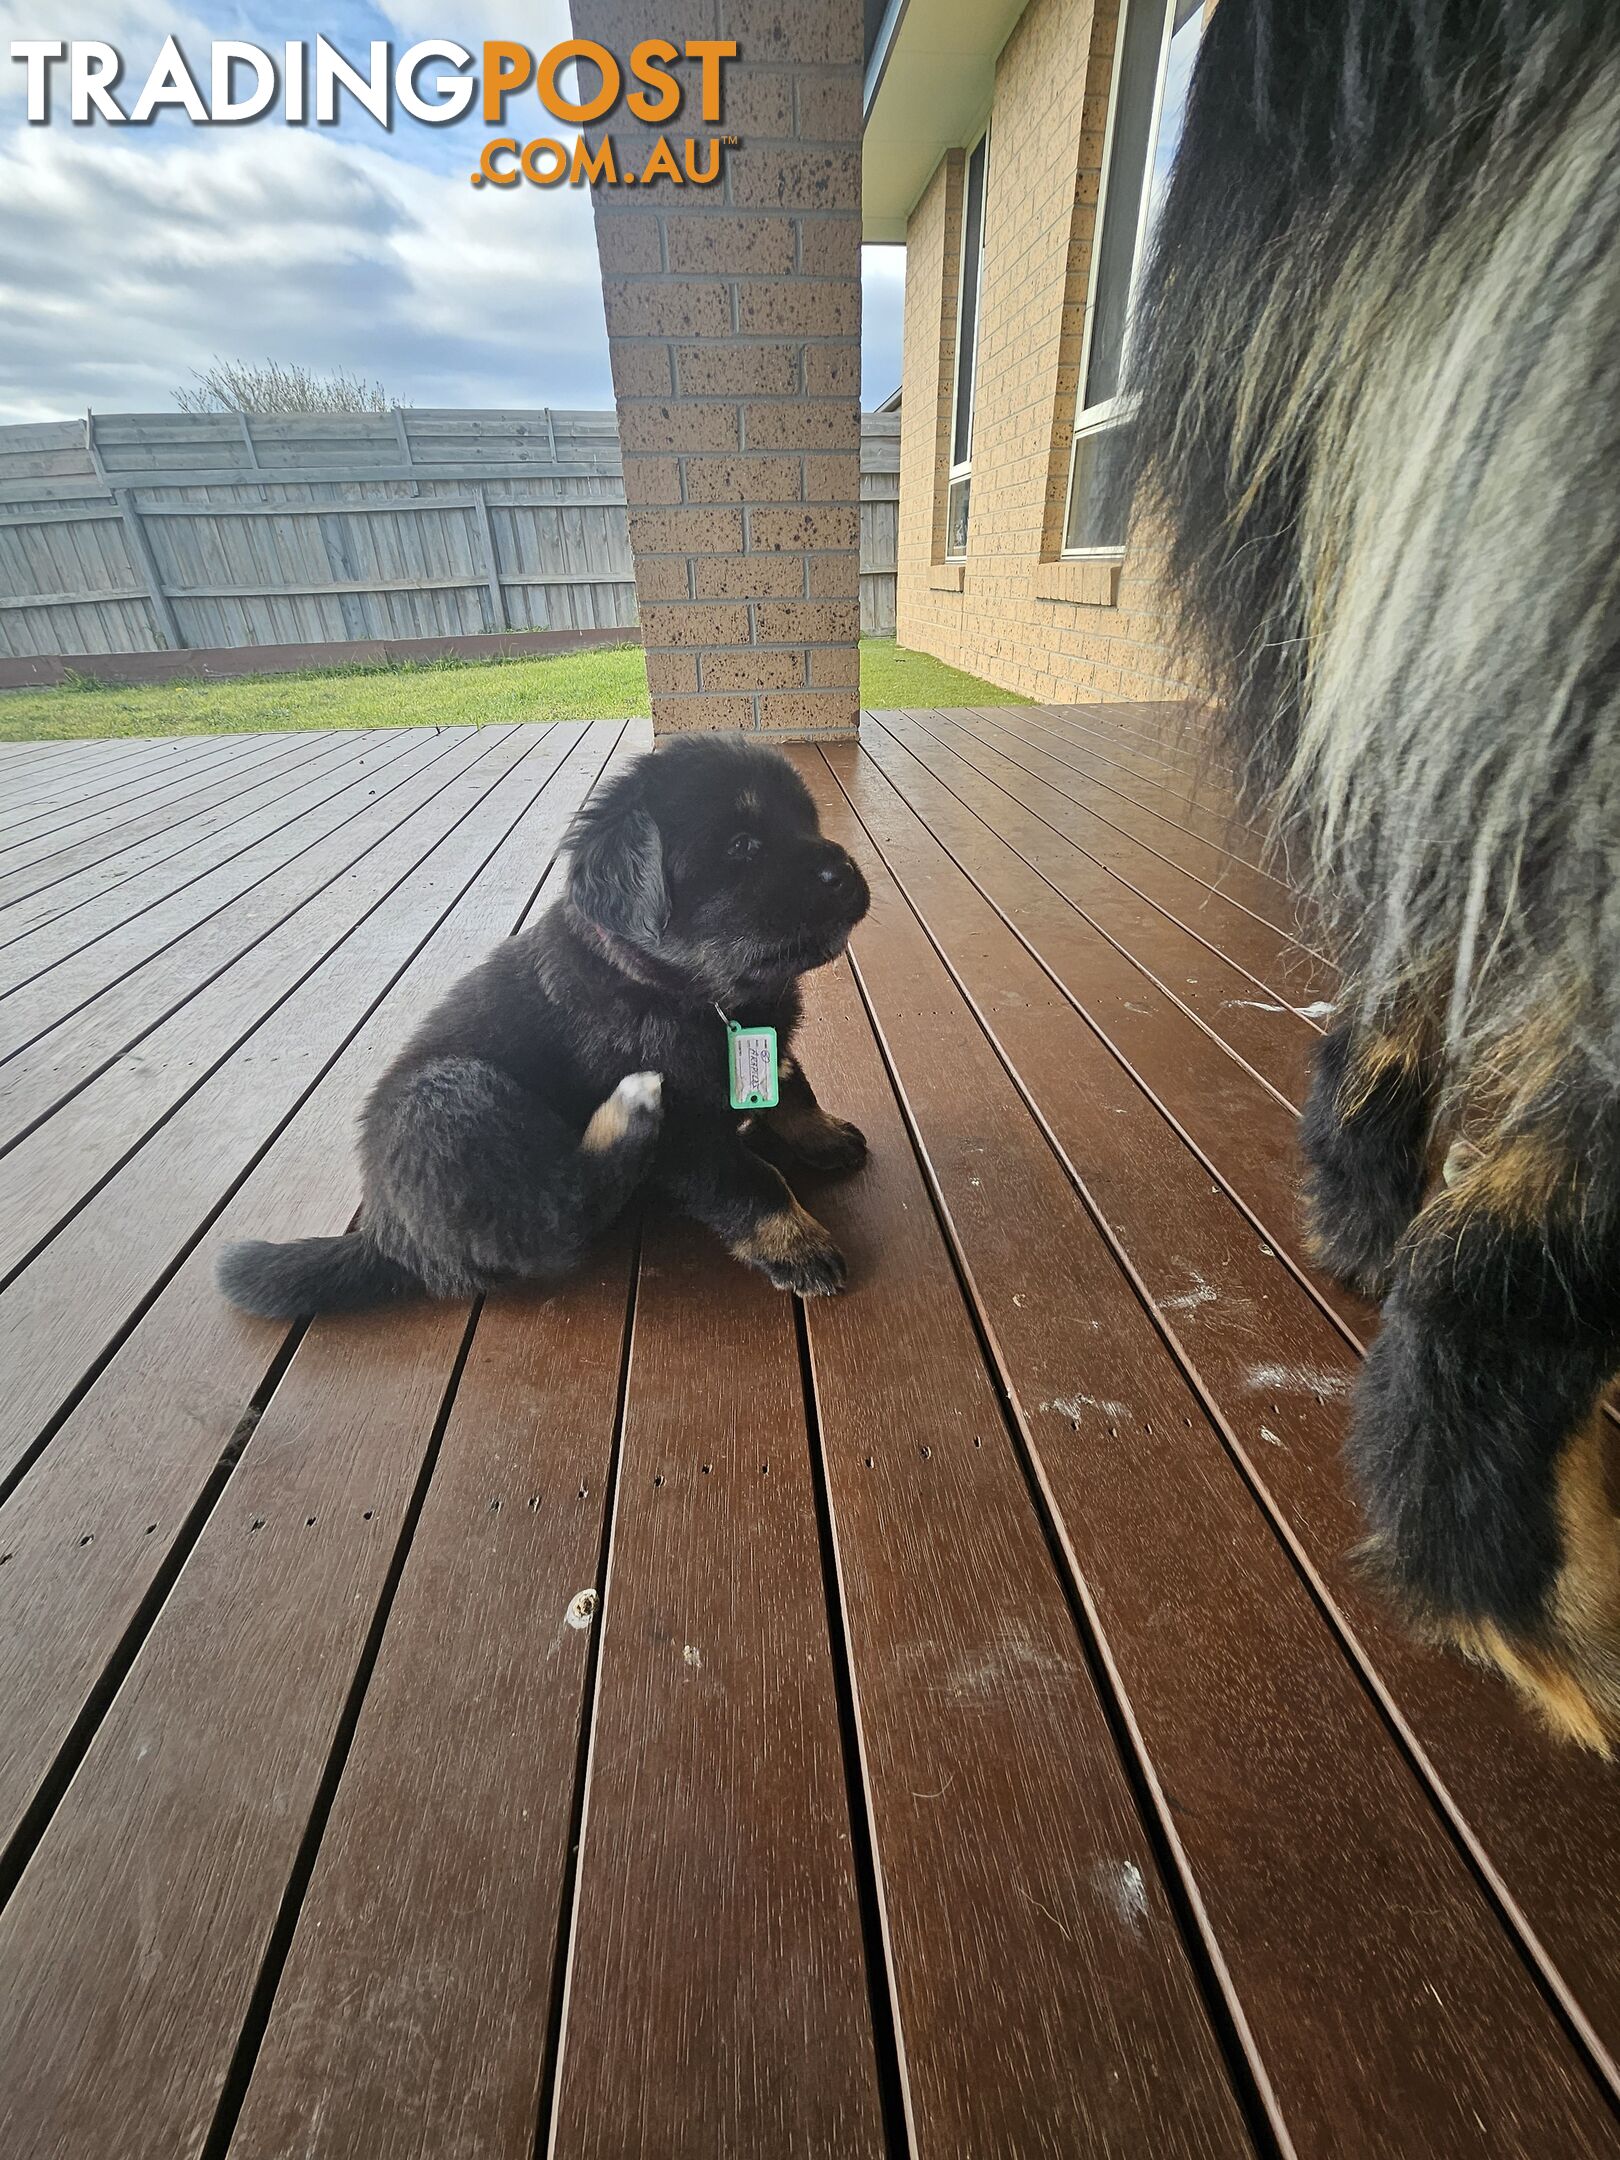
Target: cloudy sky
{"x": 130, "y": 255}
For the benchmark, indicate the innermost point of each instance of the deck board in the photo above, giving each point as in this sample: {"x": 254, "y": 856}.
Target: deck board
{"x": 442, "y": 1872}
{"x": 98, "y": 834}
{"x": 1382, "y": 2000}
{"x": 1044, "y": 1781}
{"x": 195, "y": 880}
{"x": 715, "y": 1969}
{"x": 98, "y": 769}
{"x": 153, "y": 867}
{"x": 268, "y": 881}
{"x": 1220, "y": 829}
{"x": 1045, "y": 1999}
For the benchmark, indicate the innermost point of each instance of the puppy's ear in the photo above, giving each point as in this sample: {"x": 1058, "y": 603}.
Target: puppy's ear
{"x": 616, "y": 877}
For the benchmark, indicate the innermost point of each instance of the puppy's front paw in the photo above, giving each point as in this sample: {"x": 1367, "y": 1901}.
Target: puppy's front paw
{"x": 818, "y": 1141}
{"x": 833, "y": 1144}
{"x": 794, "y": 1250}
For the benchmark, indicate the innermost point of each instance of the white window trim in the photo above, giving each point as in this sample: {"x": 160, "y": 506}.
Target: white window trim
{"x": 964, "y": 470}
{"x": 1092, "y": 419}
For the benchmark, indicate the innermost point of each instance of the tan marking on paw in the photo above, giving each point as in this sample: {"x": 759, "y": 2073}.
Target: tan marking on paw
{"x": 777, "y": 1240}
{"x": 1570, "y": 1677}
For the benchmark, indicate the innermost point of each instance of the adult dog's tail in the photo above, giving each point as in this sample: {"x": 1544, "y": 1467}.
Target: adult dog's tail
{"x": 312, "y": 1275}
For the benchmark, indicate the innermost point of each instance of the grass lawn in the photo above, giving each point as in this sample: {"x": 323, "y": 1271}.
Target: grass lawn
{"x": 609, "y": 683}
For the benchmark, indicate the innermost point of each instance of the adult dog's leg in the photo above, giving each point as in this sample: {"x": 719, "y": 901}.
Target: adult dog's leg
{"x": 806, "y": 1131}
{"x": 1477, "y": 1436}
{"x": 712, "y": 1176}
{"x": 1365, "y": 1134}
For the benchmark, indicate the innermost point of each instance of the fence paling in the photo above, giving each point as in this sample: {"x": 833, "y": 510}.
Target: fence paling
{"x": 104, "y": 547}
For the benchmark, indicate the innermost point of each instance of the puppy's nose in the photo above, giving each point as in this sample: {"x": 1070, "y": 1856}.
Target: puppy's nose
{"x": 837, "y": 871}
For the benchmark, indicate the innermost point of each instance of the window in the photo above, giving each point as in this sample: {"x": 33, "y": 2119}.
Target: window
{"x": 1157, "y": 43}
{"x": 967, "y": 338}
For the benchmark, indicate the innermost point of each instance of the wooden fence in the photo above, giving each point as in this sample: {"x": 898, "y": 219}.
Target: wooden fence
{"x": 133, "y": 532}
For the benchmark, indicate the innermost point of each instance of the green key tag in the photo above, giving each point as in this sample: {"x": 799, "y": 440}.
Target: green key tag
{"x": 751, "y": 1055}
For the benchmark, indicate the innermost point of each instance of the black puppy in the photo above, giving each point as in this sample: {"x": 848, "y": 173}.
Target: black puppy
{"x": 593, "y": 1050}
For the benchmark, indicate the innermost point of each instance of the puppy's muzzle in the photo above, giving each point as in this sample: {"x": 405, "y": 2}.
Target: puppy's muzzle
{"x": 842, "y": 883}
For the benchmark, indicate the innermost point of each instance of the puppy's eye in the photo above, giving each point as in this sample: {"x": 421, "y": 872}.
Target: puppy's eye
{"x": 744, "y": 848}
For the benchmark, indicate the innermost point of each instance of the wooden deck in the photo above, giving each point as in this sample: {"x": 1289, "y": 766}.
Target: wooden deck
{"x": 659, "y": 1719}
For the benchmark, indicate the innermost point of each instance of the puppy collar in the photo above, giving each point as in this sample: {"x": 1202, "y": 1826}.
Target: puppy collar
{"x": 641, "y": 968}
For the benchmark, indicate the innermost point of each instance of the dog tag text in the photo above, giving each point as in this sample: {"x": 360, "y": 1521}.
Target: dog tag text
{"x": 752, "y": 1054}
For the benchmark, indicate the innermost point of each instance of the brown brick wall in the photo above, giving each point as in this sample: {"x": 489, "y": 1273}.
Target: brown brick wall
{"x": 1019, "y": 619}
{"x": 734, "y": 320}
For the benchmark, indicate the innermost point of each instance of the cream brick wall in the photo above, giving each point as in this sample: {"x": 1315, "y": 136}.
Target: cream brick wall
{"x": 734, "y": 322}
{"x": 1015, "y": 614}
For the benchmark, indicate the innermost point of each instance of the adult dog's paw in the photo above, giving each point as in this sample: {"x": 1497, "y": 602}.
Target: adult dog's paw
{"x": 795, "y": 1252}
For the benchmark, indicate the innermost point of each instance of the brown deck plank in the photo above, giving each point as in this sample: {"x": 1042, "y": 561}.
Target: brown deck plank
{"x": 1269, "y": 950}
{"x": 717, "y": 1996}
{"x": 1178, "y": 743}
{"x": 1044, "y": 2000}
{"x": 56, "y": 989}
{"x": 130, "y": 1460}
{"x": 69, "y": 1305}
{"x": 210, "y": 799}
{"x": 131, "y": 1948}
{"x": 1206, "y": 797}
{"x": 1140, "y": 1056}
{"x": 411, "y": 2018}
{"x": 1222, "y": 987}
{"x": 1368, "y": 1900}
{"x": 41, "y": 840}
{"x": 73, "y": 1104}
{"x": 1538, "y": 1819}
{"x": 1210, "y": 853}
{"x": 159, "y": 863}
{"x": 212, "y": 873}
{"x": 1269, "y": 1054}
{"x": 1378, "y": 1986}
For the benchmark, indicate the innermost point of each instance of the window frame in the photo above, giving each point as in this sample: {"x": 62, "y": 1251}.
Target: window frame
{"x": 1091, "y": 420}
{"x": 957, "y": 471}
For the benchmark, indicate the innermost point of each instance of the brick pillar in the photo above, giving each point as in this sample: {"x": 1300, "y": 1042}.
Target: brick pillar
{"x": 734, "y": 317}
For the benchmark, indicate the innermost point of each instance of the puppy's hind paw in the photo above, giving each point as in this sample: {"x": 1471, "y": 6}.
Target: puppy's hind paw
{"x": 818, "y": 1274}
{"x": 634, "y": 1111}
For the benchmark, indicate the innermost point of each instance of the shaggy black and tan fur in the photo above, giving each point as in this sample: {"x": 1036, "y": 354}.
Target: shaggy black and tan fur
{"x": 1378, "y": 358}
{"x": 589, "y": 1055}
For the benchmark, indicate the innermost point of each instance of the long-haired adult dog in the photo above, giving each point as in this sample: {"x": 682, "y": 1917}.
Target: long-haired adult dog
{"x": 590, "y": 1053}
{"x": 1378, "y": 355}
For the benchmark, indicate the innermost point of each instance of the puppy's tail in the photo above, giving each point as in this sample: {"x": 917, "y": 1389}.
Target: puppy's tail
{"x": 311, "y": 1275}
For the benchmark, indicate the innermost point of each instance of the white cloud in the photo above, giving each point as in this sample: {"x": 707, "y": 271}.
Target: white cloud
{"x": 129, "y": 256}
{"x": 539, "y": 24}
{"x": 883, "y": 292}
{"x": 121, "y": 271}
{"x": 134, "y": 28}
